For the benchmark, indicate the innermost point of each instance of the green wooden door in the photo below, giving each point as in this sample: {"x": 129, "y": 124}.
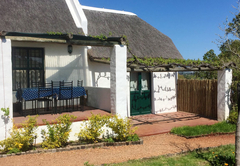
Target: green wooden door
{"x": 140, "y": 94}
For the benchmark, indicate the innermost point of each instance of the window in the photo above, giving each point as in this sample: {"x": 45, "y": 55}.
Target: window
{"x": 28, "y": 66}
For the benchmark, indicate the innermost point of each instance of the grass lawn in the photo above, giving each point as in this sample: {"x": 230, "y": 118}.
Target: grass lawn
{"x": 223, "y": 155}
{"x": 221, "y": 127}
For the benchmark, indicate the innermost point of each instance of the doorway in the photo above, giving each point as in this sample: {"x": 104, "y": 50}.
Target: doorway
{"x": 140, "y": 93}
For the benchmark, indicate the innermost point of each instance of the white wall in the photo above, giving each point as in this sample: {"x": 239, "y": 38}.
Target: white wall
{"x": 99, "y": 98}
{"x": 99, "y": 74}
{"x": 164, "y": 97}
{"x": 5, "y": 86}
{"x": 75, "y": 129}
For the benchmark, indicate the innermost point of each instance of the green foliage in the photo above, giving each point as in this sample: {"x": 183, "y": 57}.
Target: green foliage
{"x": 224, "y": 155}
{"x": 6, "y": 111}
{"x": 110, "y": 34}
{"x": 87, "y": 164}
{"x": 220, "y": 127}
{"x": 229, "y": 51}
{"x": 93, "y": 128}
{"x": 233, "y": 115}
{"x": 54, "y": 33}
{"x": 233, "y": 26}
{"x": 110, "y": 140}
{"x": 121, "y": 127}
{"x": 133, "y": 137}
{"x": 13, "y": 150}
{"x": 100, "y": 37}
{"x": 208, "y": 57}
{"x": 58, "y": 133}
{"x": 148, "y": 61}
{"x": 21, "y": 139}
{"x": 106, "y": 59}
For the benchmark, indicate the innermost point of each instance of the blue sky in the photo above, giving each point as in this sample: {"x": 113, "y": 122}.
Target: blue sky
{"x": 193, "y": 25}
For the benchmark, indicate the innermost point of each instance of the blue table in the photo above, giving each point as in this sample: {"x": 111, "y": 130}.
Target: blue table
{"x": 32, "y": 93}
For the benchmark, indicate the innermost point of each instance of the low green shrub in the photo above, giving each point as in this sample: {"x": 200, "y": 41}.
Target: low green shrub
{"x": 133, "y": 137}
{"x": 93, "y": 128}
{"x": 233, "y": 115}
{"x": 121, "y": 128}
{"x": 58, "y": 133}
{"x": 223, "y": 155}
{"x": 21, "y": 139}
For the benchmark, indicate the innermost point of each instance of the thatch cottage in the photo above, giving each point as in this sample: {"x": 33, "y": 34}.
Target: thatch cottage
{"x": 49, "y": 40}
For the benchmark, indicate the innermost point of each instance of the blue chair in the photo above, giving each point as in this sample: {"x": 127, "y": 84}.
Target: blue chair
{"x": 79, "y": 84}
{"x": 66, "y": 94}
{"x": 45, "y": 94}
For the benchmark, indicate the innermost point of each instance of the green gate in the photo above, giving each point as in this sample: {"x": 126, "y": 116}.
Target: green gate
{"x": 140, "y": 93}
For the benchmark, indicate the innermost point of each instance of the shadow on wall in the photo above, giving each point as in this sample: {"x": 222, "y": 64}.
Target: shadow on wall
{"x": 100, "y": 74}
{"x": 71, "y": 72}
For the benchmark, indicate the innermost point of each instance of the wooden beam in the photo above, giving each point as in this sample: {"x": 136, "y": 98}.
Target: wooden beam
{"x": 93, "y": 43}
{"x": 33, "y": 39}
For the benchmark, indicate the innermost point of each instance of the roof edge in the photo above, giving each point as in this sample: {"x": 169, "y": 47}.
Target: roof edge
{"x": 108, "y": 10}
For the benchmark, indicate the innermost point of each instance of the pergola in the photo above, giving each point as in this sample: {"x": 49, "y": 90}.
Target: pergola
{"x": 118, "y": 67}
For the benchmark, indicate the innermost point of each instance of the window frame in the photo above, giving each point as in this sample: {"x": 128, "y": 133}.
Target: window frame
{"x": 28, "y": 68}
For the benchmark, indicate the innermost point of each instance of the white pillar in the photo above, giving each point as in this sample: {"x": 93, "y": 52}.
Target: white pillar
{"x": 118, "y": 82}
{"x": 223, "y": 97}
{"x": 5, "y": 85}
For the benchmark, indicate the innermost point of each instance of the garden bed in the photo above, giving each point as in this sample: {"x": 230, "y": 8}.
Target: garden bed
{"x": 74, "y": 146}
{"x": 220, "y": 128}
{"x": 205, "y": 135}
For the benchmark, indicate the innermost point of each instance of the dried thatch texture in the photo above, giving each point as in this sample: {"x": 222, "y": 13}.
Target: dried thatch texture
{"x": 144, "y": 40}
{"x": 36, "y": 16}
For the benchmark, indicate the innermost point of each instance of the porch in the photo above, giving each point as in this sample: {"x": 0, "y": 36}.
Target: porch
{"x": 150, "y": 124}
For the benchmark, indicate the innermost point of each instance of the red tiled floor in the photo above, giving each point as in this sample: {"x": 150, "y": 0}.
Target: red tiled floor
{"x": 81, "y": 115}
{"x": 153, "y": 124}
{"x": 150, "y": 124}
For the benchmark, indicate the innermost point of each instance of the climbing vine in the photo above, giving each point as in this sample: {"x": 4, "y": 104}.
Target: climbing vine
{"x": 157, "y": 61}
{"x": 163, "y": 62}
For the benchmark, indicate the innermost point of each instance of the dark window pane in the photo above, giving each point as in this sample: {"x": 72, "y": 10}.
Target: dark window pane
{"x": 36, "y": 76}
{"x": 19, "y": 58}
{"x": 36, "y": 58}
{"x": 19, "y": 77}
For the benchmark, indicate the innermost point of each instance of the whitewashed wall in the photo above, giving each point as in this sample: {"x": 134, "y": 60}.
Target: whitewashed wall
{"x": 75, "y": 128}
{"x": 99, "y": 98}
{"x": 164, "y": 97}
{"x": 5, "y": 86}
{"x": 99, "y": 74}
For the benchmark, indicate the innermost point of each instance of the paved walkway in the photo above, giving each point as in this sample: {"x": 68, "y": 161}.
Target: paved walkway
{"x": 153, "y": 124}
{"x": 150, "y": 124}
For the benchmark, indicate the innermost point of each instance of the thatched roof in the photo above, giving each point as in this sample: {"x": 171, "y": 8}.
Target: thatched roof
{"x": 36, "y": 16}
{"x": 144, "y": 40}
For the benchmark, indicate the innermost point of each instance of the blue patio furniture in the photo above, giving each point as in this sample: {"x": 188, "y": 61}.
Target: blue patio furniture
{"x": 28, "y": 94}
{"x": 45, "y": 94}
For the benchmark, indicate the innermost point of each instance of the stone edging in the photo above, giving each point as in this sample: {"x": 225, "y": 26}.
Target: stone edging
{"x": 205, "y": 135}
{"x": 74, "y": 147}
